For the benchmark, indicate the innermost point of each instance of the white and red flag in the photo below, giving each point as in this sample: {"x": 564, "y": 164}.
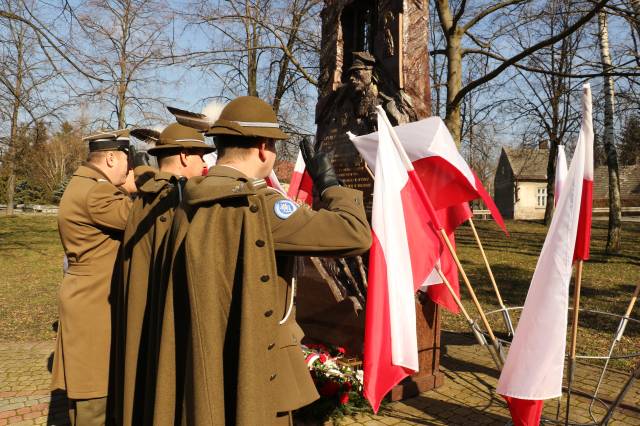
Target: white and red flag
{"x": 561, "y": 174}
{"x": 534, "y": 366}
{"x": 448, "y": 180}
{"x": 405, "y": 249}
{"x": 272, "y": 180}
{"x": 301, "y": 186}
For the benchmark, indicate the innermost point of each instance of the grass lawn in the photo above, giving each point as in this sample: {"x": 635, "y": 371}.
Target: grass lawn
{"x": 607, "y": 283}
{"x": 31, "y": 270}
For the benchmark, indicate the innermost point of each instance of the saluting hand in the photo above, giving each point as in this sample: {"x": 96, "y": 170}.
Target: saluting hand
{"x": 319, "y": 167}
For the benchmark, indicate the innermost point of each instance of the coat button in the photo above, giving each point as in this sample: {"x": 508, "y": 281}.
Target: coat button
{"x": 264, "y": 278}
{"x": 163, "y": 219}
{"x": 271, "y": 346}
{"x": 260, "y": 243}
{"x": 268, "y": 313}
{"x": 273, "y": 376}
{"x": 253, "y": 208}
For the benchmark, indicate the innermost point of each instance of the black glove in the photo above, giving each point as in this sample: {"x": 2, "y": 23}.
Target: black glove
{"x": 319, "y": 167}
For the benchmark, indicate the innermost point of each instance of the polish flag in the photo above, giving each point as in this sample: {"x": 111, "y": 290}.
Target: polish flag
{"x": 301, "y": 186}
{"x": 561, "y": 174}
{"x": 583, "y": 239}
{"x": 272, "y": 180}
{"x": 405, "y": 249}
{"x": 534, "y": 366}
{"x": 445, "y": 175}
{"x": 448, "y": 180}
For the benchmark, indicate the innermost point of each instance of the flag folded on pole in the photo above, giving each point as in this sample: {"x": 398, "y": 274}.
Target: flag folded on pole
{"x": 534, "y": 365}
{"x": 583, "y": 239}
{"x": 561, "y": 174}
{"x": 301, "y": 186}
{"x": 404, "y": 251}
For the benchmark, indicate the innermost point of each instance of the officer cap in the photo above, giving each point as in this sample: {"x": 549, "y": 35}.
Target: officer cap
{"x": 247, "y": 116}
{"x": 174, "y": 137}
{"x": 362, "y": 61}
{"x": 110, "y": 140}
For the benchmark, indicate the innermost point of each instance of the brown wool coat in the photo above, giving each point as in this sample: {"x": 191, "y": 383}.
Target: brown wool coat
{"x": 92, "y": 215}
{"x": 230, "y": 272}
{"x": 142, "y": 297}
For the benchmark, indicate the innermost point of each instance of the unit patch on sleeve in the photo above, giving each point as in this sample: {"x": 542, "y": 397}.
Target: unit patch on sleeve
{"x": 284, "y": 208}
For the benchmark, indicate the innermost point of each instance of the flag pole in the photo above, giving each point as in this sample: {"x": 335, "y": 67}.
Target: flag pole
{"x": 443, "y": 233}
{"x": 472, "y": 324}
{"x": 574, "y": 336}
{"x": 505, "y": 312}
{"x": 617, "y": 338}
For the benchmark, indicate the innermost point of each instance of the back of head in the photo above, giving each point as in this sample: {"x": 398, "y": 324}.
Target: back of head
{"x": 179, "y": 149}
{"x": 248, "y": 116}
{"x": 244, "y": 123}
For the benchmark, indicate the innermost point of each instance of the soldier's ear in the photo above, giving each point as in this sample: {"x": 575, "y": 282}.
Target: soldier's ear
{"x": 110, "y": 158}
{"x": 183, "y": 158}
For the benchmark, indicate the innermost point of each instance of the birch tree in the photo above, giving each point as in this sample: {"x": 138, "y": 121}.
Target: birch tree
{"x": 615, "y": 206}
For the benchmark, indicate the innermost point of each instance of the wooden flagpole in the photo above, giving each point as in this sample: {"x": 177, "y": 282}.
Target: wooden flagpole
{"x": 443, "y": 234}
{"x": 505, "y": 312}
{"x": 574, "y": 336}
{"x": 479, "y": 337}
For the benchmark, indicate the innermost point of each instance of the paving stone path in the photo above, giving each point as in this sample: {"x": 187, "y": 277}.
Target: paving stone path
{"x": 467, "y": 398}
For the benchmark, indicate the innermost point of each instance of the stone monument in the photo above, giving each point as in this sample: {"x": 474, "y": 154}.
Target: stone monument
{"x": 373, "y": 52}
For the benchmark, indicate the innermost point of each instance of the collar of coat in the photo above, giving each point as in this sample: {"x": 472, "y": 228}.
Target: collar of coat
{"x": 88, "y": 170}
{"x": 221, "y": 183}
{"x": 158, "y": 182}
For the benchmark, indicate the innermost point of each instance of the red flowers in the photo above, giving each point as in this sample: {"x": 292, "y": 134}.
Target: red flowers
{"x": 329, "y": 388}
{"x": 344, "y": 398}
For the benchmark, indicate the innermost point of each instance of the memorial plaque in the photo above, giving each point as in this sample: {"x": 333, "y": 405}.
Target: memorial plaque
{"x": 349, "y": 166}
{"x": 368, "y": 49}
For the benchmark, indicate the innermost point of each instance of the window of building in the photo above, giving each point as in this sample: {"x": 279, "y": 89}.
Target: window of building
{"x": 542, "y": 197}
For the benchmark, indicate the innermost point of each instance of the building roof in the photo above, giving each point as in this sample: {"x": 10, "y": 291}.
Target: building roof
{"x": 528, "y": 163}
{"x": 629, "y": 182}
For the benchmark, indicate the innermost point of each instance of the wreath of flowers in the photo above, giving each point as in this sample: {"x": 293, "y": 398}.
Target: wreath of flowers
{"x": 339, "y": 381}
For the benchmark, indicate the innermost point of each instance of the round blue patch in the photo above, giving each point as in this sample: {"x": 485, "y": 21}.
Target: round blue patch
{"x": 284, "y": 208}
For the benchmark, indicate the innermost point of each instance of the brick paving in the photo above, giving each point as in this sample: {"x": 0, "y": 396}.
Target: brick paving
{"x": 467, "y": 398}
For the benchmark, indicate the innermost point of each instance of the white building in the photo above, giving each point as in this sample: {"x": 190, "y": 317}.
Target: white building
{"x": 521, "y": 183}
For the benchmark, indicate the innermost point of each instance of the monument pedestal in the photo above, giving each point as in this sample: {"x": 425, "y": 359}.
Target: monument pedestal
{"x": 429, "y": 377}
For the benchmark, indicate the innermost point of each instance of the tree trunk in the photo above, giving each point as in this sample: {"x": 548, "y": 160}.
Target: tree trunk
{"x": 453, "y": 118}
{"x": 13, "y": 135}
{"x": 121, "y": 102}
{"x": 615, "y": 207}
{"x": 551, "y": 180}
{"x": 252, "y": 40}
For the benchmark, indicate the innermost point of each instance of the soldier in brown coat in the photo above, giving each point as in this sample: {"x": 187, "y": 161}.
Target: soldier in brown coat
{"x": 179, "y": 150}
{"x": 92, "y": 215}
{"x": 233, "y": 242}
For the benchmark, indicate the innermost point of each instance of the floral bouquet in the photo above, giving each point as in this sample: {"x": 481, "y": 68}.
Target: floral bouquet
{"x": 339, "y": 381}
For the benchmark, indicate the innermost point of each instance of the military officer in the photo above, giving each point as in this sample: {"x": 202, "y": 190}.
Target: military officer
{"x": 179, "y": 151}
{"x": 92, "y": 216}
{"x": 233, "y": 243}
